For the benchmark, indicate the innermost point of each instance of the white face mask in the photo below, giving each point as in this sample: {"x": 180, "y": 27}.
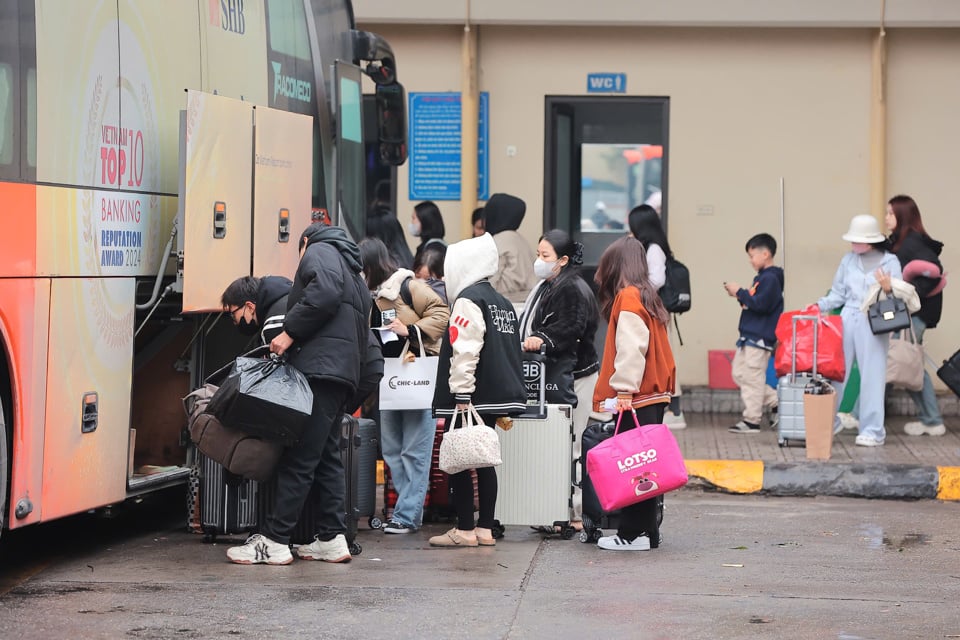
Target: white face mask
{"x": 414, "y": 229}
{"x": 544, "y": 270}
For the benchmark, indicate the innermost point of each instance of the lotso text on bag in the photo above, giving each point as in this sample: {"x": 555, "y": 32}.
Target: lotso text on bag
{"x": 635, "y": 465}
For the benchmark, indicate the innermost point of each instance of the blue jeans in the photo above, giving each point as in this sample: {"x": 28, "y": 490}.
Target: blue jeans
{"x": 926, "y": 399}
{"x": 406, "y": 438}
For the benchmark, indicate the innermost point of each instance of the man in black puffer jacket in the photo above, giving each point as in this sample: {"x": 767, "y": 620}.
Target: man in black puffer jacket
{"x": 257, "y": 303}
{"x": 325, "y": 334}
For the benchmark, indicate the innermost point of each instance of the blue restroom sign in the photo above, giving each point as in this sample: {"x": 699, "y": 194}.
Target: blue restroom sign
{"x": 606, "y": 83}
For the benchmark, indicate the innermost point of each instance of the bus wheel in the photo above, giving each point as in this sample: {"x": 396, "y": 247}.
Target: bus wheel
{"x": 4, "y": 469}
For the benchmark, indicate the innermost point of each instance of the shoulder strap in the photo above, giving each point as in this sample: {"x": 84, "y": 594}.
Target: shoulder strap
{"x": 405, "y": 294}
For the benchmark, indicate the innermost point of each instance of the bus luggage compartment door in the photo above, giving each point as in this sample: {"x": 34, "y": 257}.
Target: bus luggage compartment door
{"x": 215, "y": 207}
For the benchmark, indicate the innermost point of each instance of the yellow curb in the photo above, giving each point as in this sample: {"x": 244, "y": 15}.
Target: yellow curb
{"x": 735, "y": 476}
{"x": 949, "y": 488}
{"x": 381, "y": 476}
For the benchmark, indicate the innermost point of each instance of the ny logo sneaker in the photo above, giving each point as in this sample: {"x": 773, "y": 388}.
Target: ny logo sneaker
{"x": 259, "y": 549}
{"x": 335, "y": 550}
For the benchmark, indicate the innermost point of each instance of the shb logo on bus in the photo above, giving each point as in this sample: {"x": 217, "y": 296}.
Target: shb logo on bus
{"x": 231, "y": 16}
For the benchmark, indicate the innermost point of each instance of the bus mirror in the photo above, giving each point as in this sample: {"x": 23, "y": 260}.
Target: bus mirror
{"x": 392, "y": 123}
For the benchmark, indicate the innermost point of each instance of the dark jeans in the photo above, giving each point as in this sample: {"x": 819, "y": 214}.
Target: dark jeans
{"x": 641, "y": 518}
{"x": 313, "y": 463}
{"x": 462, "y": 485}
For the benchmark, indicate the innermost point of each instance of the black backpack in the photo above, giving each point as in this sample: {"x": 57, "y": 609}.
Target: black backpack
{"x": 675, "y": 292}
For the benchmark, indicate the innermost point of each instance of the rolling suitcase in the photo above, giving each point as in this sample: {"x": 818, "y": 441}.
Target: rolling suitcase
{"x": 595, "y": 519}
{"x": 228, "y": 502}
{"x": 367, "y": 455}
{"x": 537, "y": 475}
{"x": 790, "y": 391}
{"x": 350, "y": 444}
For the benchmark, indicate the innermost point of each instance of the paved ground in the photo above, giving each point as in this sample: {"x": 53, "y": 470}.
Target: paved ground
{"x": 706, "y": 438}
{"x": 731, "y": 567}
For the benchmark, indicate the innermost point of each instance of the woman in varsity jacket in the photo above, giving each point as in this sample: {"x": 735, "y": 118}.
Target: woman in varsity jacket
{"x": 412, "y": 310}
{"x": 637, "y": 372}
{"x": 479, "y": 365}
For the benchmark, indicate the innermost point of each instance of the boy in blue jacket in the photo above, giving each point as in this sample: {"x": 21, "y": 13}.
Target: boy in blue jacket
{"x": 762, "y": 305}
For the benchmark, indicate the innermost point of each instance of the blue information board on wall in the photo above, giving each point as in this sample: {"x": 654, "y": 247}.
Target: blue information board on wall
{"x": 435, "y": 146}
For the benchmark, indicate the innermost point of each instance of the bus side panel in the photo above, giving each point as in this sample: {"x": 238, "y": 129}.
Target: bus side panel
{"x": 233, "y": 40}
{"x": 87, "y": 233}
{"x": 18, "y": 242}
{"x": 78, "y": 96}
{"x": 91, "y": 351}
{"x": 282, "y": 180}
{"x": 159, "y": 58}
{"x": 24, "y": 309}
{"x": 219, "y": 169}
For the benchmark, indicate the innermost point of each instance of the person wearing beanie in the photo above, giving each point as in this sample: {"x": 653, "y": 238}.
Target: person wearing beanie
{"x": 515, "y": 277}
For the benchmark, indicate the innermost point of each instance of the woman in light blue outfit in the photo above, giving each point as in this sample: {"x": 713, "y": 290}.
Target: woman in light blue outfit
{"x": 867, "y": 264}
{"x": 411, "y": 310}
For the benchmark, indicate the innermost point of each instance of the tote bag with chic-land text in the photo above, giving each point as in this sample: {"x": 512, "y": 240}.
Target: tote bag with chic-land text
{"x": 408, "y": 382}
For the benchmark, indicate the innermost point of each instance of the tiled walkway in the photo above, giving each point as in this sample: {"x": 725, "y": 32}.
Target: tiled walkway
{"x": 706, "y": 438}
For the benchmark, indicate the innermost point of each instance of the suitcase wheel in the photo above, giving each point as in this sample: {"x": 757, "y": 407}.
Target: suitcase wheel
{"x": 497, "y": 530}
{"x": 375, "y": 522}
{"x": 355, "y": 548}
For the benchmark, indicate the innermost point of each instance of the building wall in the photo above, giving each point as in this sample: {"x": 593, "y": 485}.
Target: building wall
{"x": 748, "y": 106}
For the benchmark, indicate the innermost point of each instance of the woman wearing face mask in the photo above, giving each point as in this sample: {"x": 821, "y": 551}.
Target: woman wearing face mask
{"x": 561, "y": 314}
{"x": 867, "y": 265}
{"x": 426, "y": 223}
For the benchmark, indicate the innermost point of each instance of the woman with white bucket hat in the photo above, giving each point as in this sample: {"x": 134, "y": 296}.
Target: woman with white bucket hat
{"x": 867, "y": 264}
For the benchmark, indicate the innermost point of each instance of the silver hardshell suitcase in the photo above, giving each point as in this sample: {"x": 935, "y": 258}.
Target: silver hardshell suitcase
{"x": 790, "y": 391}
{"x": 537, "y": 474}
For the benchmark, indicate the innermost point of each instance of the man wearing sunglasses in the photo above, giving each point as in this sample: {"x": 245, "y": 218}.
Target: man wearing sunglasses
{"x": 257, "y": 305}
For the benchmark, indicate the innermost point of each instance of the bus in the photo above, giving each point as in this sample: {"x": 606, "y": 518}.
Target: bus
{"x": 151, "y": 152}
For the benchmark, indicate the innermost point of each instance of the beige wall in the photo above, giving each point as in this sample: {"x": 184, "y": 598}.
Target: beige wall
{"x": 747, "y": 107}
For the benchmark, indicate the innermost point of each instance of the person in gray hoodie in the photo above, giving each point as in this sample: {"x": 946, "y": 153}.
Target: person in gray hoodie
{"x": 514, "y": 278}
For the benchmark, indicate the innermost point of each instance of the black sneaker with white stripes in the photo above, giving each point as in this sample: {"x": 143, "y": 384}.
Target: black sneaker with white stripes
{"x": 398, "y": 527}
{"x": 616, "y": 543}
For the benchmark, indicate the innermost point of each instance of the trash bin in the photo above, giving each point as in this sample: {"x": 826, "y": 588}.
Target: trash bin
{"x": 819, "y": 408}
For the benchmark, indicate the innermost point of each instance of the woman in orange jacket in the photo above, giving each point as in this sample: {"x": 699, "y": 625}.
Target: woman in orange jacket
{"x": 637, "y": 372}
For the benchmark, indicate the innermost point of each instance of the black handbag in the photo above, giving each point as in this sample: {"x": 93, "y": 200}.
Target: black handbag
{"x": 888, "y": 315}
{"x": 556, "y": 375}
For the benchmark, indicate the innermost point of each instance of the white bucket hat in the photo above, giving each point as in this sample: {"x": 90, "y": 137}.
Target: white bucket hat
{"x": 865, "y": 229}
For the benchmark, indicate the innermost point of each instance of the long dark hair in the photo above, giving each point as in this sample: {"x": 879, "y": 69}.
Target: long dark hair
{"x": 645, "y": 226}
{"x": 907, "y": 213}
{"x": 622, "y": 265}
{"x": 377, "y": 263}
{"x": 383, "y": 225}
{"x": 431, "y": 221}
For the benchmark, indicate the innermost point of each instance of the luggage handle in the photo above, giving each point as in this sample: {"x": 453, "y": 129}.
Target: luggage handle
{"x": 225, "y": 369}
{"x": 793, "y": 347}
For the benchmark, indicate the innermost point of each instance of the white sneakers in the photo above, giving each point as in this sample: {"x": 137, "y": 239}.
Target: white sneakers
{"x": 849, "y": 421}
{"x": 335, "y": 550}
{"x": 674, "y": 421}
{"x": 919, "y": 429}
{"x": 259, "y": 549}
{"x": 864, "y": 440}
{"x": 616, "y": 543}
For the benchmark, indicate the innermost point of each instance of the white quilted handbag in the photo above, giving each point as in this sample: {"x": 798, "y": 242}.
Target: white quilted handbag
{"x": 472, "y": 445}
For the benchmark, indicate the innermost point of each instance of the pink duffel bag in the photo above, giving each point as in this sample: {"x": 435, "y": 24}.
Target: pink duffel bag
{"x": 635, "y": 465}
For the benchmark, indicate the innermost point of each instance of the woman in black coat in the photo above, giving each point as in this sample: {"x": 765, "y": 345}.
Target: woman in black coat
{"x": 919, "y": 257}
{"x": 561, "y": 315}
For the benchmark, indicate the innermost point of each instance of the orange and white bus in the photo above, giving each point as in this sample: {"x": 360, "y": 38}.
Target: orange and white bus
{"x": 150, "y": 152}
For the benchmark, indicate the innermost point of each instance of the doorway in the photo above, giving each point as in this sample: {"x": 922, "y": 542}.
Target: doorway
{"x": 603, "y": 156}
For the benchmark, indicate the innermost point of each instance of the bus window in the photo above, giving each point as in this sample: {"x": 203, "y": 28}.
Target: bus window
{"x": 288, "y": 33}
{"x": 6, "y": 114}
{"x": 350, "y": 152}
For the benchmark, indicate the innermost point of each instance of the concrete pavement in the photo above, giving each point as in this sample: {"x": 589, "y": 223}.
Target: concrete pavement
{"x": 906, "y": 467}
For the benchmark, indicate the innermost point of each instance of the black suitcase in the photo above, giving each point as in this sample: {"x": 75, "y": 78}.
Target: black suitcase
{"x": 367, "y": 457}
{"x": 350, "y": 443}
{"x": 949, "y": 372}
{"x": 228, "y": 502}
{"x": 595, "y": 519}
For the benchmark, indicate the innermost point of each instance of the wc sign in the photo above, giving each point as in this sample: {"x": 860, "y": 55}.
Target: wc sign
{"x": 606, "y": 83}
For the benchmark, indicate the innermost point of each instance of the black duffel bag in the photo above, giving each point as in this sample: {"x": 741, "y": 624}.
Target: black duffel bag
{"x": 266, "y": 397}
{"x": 555, "y": 374}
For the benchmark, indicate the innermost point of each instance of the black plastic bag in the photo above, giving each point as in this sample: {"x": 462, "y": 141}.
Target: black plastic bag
{"x": 269, "y": 398}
